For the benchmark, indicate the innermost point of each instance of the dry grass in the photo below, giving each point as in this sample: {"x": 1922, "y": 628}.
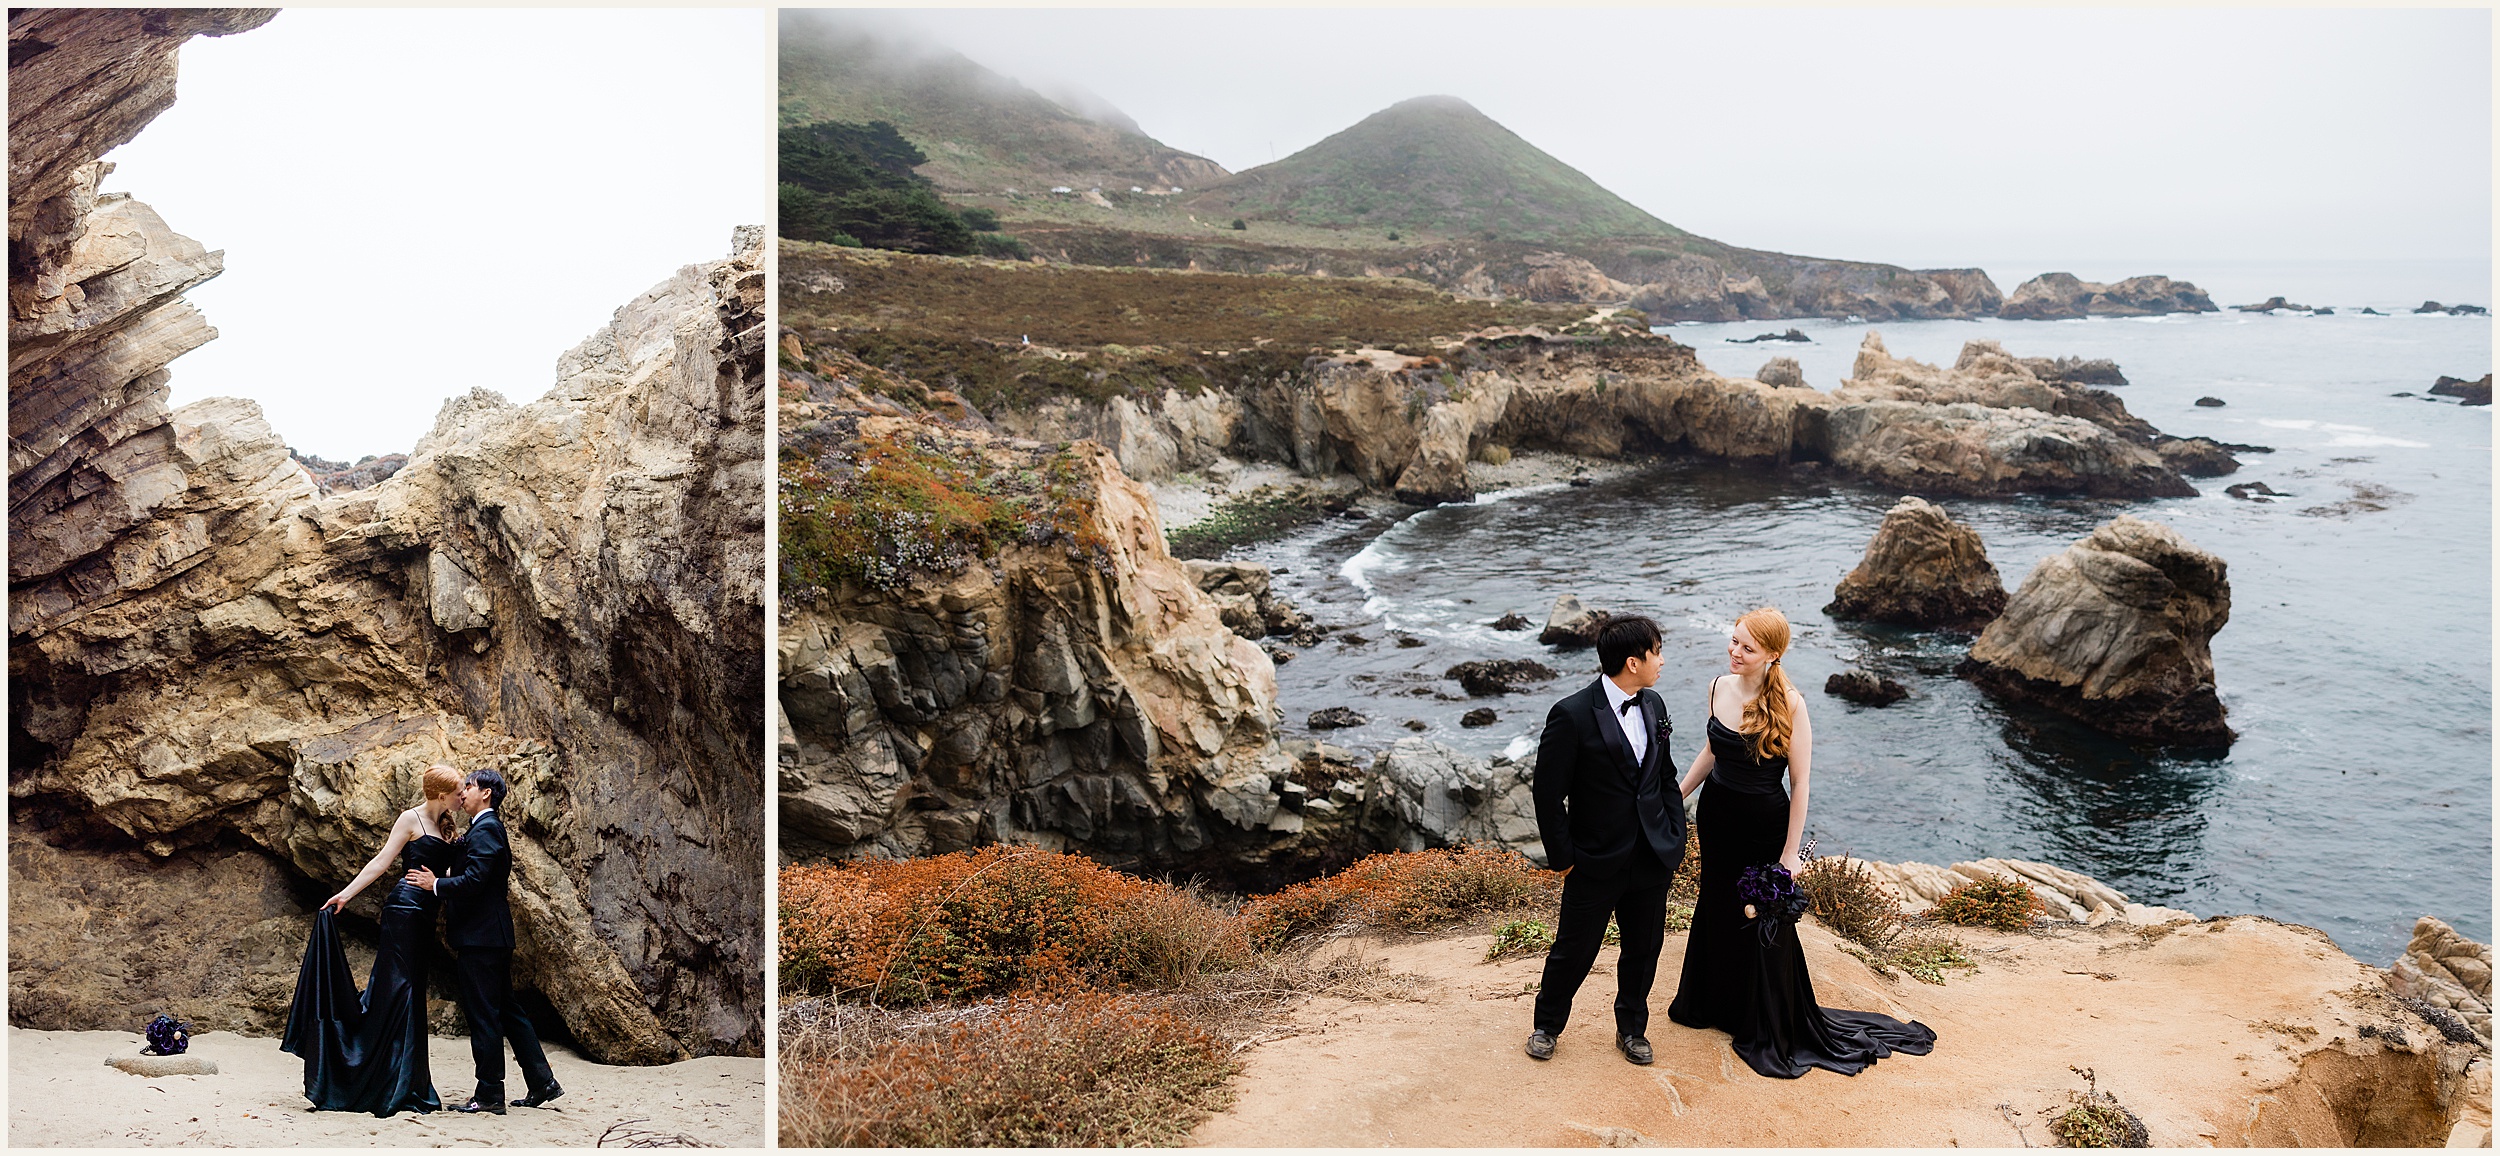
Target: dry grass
{"x": 2004, "y": 904}
{"x": 1406, "y": 890}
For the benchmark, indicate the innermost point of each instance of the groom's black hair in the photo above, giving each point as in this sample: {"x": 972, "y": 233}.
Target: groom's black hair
{"x": 1623, "y": 637}
{"x": 494, "y": 784}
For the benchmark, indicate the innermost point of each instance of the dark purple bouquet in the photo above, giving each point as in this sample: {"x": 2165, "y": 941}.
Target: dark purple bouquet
{"x": 167, "y": 1036}
{"x": 1771, "y": 897}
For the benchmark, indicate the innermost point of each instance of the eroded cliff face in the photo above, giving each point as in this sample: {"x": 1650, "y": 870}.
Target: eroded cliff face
{"x": 1409, "y": 424}
{"x": 209, "y": 658}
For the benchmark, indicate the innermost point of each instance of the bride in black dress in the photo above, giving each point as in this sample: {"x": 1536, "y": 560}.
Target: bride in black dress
{"x": 366, "y": 1053}
{"x": 1760, "y": 995}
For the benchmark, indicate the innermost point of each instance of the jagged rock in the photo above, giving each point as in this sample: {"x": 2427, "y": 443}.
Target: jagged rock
{"x": 2448, "y": 971}
{"x": 2074, "y": 370}
{"x": 1246, "y": 599}
{"x": 339, "y": 477}
{"x": 1861, "y": 687}
{"x": 1335, "y": 718}
{"x": 2058, "y": 296}
{"x": 1793, "y": 334}
{"x": 1438, "y": 797}
{"x": 1482, "y": 716}
{"x": 2116, "y": 632}
{"x": 183, "y": 600}
{"x": 1488, "y": 677}
{"x": 1921, "y": 569}
{"x": 1570, "y": 625}
{"x": 1512, "y": 621}
{"x": 2453, "y": 310}
{"x": 2210, "y": 402}
{"x": 2467, "y": 392}
{"x": 1781, "y": 371}
{"x": 2254, "y": 492}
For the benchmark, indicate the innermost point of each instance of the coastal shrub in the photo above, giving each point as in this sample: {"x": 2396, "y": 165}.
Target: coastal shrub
{"x": 996, "y": 921}
{"x": 889, "y": 509}
{"x": 1998, "y": 902}
{"x": 1256, "y": 516}
{"x": 1926, "y": 955}
{"x": 1847, "y": 897}
{"x": 1410, "y": 890}
{"x": 1685, "y": 889}
{"x": 1240, "y": 226}
{"x": 1519, "y": 937}
{"x": 1094, "y": 1070}
{"x": 2097, "y": 1120}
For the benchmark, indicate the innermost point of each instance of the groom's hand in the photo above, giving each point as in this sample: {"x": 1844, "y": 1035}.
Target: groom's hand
{"x": 422, "y": 877}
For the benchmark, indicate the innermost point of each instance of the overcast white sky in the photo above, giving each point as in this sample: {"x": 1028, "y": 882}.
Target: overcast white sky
{"x": 413, "y": 203}
{"x": 1923, "y": 138}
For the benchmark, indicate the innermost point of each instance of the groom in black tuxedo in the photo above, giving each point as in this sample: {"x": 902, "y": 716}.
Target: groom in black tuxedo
{"x": 477, "y": 919}
{"x": 1609, "y": 812}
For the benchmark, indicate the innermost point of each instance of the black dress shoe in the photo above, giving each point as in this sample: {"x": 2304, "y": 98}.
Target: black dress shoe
{"x": 538, "y": 1099}
{"x": 478, "y": 1105}
{"x": 1541, "y": 1045}
{"x": 1635, "y": 1049}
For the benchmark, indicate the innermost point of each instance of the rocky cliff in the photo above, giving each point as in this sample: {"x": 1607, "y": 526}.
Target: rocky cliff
{"x": 217, "y": 674}
{"x": 2062, "y": 296}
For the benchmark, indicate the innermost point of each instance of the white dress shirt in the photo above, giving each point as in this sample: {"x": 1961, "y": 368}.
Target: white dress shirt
{"x": 1635, "y": 728}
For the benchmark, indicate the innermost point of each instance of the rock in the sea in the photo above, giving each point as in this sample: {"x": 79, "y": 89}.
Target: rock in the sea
{"x": 2076, "y": 370}
{"x": 1488, "y": 677}
{"x": 1859, "y": 686}
{"x": 1512, "y": 621}
{"x": 1781, "y": 371}
{"x": 2254, "y": 492}
{"x": 2272, "y": 304}
{"x": 1482, "y": 716}
{"x": 2467, "y": 392}
{"x": 1335, "y": 718}
{"x": 2117, "y": 633}
{"x": 1793, "y": 334}
{"x": 2196, "y": 457}
{"x": 1571, "y": 625}
{"x": 2058, "y": 296}
{"x": 2446, "y": 970}
{"x": 1436, "y": 796}
{"x": 2453, "y": 310}
{"x": 2210, "y": 402}
{"x": 1922, "y": 568}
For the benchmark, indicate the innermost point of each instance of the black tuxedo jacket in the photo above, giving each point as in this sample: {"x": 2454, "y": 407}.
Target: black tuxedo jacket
{"x": 1593, "y": 802}
{"x": 476, "y": 912}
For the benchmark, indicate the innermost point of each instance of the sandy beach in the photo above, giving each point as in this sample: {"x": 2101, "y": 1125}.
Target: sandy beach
{"x": 62, "y": 1094}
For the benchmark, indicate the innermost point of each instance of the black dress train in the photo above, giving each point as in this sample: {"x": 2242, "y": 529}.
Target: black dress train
{"x": 1760, "y": 996}
{"x": 366, "y": 1053}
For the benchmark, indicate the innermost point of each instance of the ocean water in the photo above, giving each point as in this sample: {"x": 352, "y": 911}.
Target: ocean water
{"x": 2356, "y": 665}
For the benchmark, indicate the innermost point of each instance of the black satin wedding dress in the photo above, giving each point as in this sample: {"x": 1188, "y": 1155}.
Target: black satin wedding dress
{"x": 1761, "y": 996}
{"x": 366, "y": 1052}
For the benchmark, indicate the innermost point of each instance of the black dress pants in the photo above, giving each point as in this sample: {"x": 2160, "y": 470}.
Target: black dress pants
{"x": 1636, "y": 897}
{"x": 486, "y": 998}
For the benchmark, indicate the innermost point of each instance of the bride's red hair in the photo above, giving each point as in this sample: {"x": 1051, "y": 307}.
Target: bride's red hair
{"x": 1769, "y": 718}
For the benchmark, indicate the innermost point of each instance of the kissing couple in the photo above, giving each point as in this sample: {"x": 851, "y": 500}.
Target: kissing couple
{"x": 367, "y": 1052}
{"x": 1609, "y": 821}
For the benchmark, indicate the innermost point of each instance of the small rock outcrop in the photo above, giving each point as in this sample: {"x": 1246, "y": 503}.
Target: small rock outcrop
{"x": 1570, "y": 625}
{"x": 1488, "y": 677}
{"x": 2451, "y": 310}
{"x": 1512, "y": 621}
{"x": 2210, "y": 402}
{"x": 1922, "y": 568}
{"x": 1860, "y": 687}
{"x": 2116, "y": 633}
{"x": 2274, "y": 304}
{"x": 2446, "y": 970}
{"x": 1482, "y": 716}
{"x": 2060, "y": 296}
{"x": 1793, "y": 334}
{"x": 1782, "y": 371}
{"x": 2074, "y": 370}
{"x": 2466, "y": 392}
{"x": 1329, "y": 718}
{"x": 1245, "y": 596}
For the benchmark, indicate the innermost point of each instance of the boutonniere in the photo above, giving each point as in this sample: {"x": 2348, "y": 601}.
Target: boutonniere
{"x": 1666, "y": 726}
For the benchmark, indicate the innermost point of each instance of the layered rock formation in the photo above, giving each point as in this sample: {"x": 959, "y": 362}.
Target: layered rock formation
{"x": 2116, "y": 632}
{"x": 1922, "y": 568}
{"x": 220, "y": 678}
{"x": 2061, "y": 296}
{"x": 2446, "y": 970}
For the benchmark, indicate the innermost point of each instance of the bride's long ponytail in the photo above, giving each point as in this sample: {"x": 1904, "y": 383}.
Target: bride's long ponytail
{"x": 1769, "y": 718}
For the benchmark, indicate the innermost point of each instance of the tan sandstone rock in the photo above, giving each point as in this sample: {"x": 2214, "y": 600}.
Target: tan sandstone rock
{"x": 2116, "y": 632}
{"x": 1922, "y": 568}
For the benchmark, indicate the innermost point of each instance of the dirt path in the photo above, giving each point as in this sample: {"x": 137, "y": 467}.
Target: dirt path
{"x": 2229, "y": 1032}
{"x": 61, "y": 1093}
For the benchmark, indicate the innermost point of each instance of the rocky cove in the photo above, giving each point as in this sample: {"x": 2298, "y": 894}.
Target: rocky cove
{"x": 225, "y": 679}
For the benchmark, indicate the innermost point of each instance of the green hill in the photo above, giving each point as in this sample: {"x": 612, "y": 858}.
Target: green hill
{"x": 1432, "y": 164}
{"x": 983, "y": 132}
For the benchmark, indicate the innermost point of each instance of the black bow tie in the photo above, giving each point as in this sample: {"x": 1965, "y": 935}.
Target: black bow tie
{"x": 1628, "y": 704}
